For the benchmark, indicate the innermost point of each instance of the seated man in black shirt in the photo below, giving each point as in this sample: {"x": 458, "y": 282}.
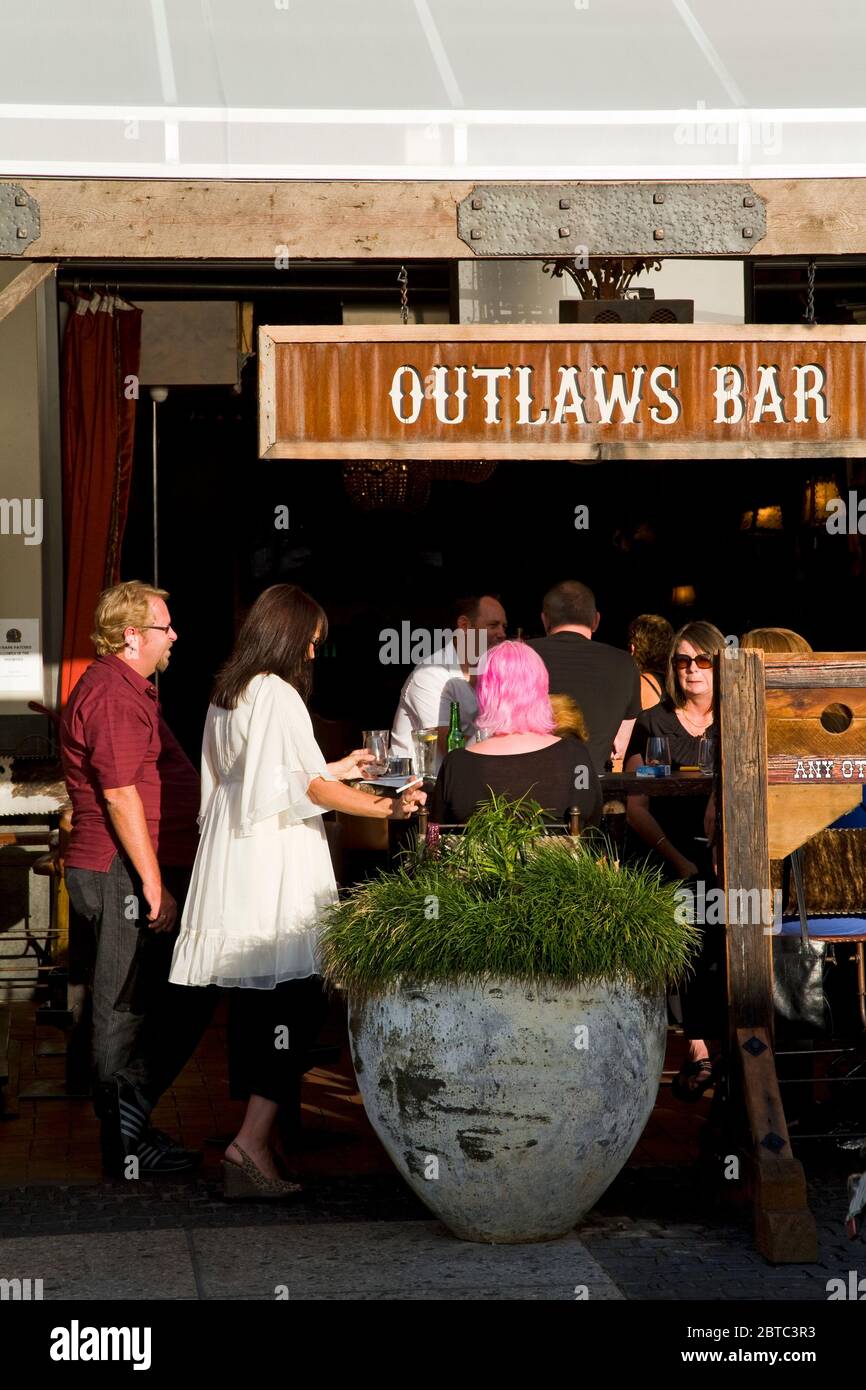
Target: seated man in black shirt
{"x": 521, "y": 755}
{"x": 603, "y": 681}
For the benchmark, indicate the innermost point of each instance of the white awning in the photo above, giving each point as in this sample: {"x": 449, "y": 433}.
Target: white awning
{"x": 476, "y": 89}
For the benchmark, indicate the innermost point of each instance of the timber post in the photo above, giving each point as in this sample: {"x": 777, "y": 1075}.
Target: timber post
{"x": 785, "y": 1229}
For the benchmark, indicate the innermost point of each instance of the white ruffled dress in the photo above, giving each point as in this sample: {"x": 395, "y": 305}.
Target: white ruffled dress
{"x": 262, "y": 876}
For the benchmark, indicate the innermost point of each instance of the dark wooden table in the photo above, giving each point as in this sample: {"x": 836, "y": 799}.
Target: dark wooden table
{"x": 621, "y": 784}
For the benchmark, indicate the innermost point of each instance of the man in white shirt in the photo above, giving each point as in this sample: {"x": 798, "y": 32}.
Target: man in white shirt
{"x": 448, "y": 675}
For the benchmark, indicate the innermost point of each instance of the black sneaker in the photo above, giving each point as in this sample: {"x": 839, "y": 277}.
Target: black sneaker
{"x": 159, "y": 1153}
{"x": 123, "y": 1118}
{"x": 133, "y": 1115}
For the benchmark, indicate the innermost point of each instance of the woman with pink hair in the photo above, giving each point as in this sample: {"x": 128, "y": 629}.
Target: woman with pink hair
{"x": 520, "y": 755}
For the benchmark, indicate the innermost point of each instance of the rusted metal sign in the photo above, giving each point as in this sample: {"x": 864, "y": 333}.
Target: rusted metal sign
{"x": 552, "y": 392}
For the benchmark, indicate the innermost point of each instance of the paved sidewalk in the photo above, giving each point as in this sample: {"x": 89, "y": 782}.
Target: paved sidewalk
{"x": 399, "y": 1260}
{"x": 651, "y": 1237}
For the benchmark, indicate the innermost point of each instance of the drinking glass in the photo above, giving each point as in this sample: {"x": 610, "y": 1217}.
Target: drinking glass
{"x": 707, "y": 754}
{"x": 425, "y": 742}
{"x": 377, "y": 742}
{"x": 658, "y": 753}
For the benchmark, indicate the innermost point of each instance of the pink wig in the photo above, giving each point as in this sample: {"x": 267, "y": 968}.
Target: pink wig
{"x": 512, "y": 691}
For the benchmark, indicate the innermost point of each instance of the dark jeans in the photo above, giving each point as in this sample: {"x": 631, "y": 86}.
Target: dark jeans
{"x": 270, "y": 1032}
{"x": 144, "y": 1028}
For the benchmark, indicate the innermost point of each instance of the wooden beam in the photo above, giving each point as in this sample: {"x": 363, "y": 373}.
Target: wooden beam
{"x": 163, "y": 219}
{"x": 785, "y": 1230}
{"x": 820, "y": 670}
{"x": 744, "y": 859}
{"x": 24, "y": 283}
{"x": 784, "y": 1227}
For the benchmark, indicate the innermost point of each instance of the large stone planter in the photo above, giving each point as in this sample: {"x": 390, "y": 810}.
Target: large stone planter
{"x": 509, "y": 1111}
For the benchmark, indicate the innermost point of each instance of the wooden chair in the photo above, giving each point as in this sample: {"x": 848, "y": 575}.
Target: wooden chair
{"x": 570, "y": 827}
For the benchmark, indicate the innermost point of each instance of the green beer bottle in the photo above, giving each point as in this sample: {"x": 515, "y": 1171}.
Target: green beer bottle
{"x": 455, "y": 733}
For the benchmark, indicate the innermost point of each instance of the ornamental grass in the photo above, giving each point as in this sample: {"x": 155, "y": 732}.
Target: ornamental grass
{"x": 504, "y": 901}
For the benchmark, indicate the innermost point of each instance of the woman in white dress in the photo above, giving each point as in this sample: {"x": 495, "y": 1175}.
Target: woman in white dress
{"x": 262, "y": 877}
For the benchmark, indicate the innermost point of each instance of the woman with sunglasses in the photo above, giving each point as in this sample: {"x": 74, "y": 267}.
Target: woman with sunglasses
{"x": 262, "y": 878}
{"x": 673, "y": 827}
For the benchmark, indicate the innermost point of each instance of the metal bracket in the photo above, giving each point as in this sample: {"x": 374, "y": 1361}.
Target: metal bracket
{"x": 609, "y": 219}
{"x": 19, "y": 220}
{"x": 774, "y": 1142}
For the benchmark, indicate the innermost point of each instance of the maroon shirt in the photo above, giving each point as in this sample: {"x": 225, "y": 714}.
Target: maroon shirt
{"x": 112, "y": 734}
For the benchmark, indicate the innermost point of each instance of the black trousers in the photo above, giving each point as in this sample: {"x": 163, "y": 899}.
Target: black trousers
{"x": 270, "y": 1032}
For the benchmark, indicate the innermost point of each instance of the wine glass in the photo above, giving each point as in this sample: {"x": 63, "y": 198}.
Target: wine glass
{"x": 658, "y": 753}
{"x": 707, "y": 754}
{"x": 378, "y": 742}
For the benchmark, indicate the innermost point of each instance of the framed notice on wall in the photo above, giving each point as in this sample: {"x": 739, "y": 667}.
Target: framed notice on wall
{"x": 20, "y": 659}
{"x": 586, "y": 391}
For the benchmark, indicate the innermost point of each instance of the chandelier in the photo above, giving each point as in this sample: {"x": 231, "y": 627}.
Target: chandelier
{"x": 386, "y": 485}
{"x": 404, "y": 485}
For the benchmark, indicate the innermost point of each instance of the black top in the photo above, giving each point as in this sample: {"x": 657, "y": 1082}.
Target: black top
{"x": 680, "y": 817}
{"x": 547, "y": 775}
{"x": 603, "y": 681}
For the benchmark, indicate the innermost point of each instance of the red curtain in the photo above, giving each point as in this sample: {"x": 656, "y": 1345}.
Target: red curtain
{"x": 101, "y": 351}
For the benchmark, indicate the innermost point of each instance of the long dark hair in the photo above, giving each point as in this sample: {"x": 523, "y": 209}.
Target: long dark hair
{"x": 651, "y": 636}
{"x": 274, "y": 639}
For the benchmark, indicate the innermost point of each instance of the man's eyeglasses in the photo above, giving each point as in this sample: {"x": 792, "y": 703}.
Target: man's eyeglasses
{"x": 703, "y": 661}
{"x": 155, "y": 627}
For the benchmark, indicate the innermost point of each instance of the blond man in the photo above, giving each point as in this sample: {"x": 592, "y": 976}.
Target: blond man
{"x": 135, "y": 799}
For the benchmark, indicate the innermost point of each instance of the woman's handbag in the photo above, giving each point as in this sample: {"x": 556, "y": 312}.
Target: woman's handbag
{"x": 798, "y": 965}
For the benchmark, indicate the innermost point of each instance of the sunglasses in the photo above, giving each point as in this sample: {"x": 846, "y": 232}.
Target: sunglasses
{"x": 702, "y": 661}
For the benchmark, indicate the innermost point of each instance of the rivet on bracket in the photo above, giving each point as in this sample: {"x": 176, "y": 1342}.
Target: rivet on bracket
{"x": 748, "y": 232}
{"x": 565, "y": 231}
{"x": 748, "y": 202}
{"x": 658, "y": 197}
{"x": 565, "y": 204}
{"x": 22, "y": 233}
{"x": 20, "y": 200}
{"x": 477, "y": 204}
{"x": 659, "y": 234}
{"x": 475, "y": 233}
